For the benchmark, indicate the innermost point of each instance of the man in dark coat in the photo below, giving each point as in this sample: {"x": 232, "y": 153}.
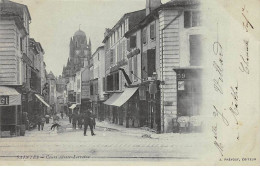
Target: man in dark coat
{"x": 74, "y": 120}
{"x": 88, "y": 122}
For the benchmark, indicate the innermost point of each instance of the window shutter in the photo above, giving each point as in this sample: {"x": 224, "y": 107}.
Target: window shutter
{"x": 152, "y": 31}
{"x": 151, "y": 61}
{"x": 187, "y": 19}
{"x": 144, "y": 66}
{"x": 144, "y": 36}
{"x": 135, "y": 67}
{"x": 104, "y": 84}
{"x": 111, "y": 56}
{"x": 130, "y": 68}
{"x": 128, "y": 45}
{"x": 123, "y": 49}
{"x": 132, "y": 42}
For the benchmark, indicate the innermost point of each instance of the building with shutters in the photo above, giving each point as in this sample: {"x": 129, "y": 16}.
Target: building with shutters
{"x": 169, "y": 39}
{"x": 117, "y": 80}
{"x": 21, "y": 67}
{"x": 97, "y": 82}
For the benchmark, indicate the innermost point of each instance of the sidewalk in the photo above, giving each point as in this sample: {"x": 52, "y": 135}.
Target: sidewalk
{"x": 143, "y": 131}
{"x": 139, "y": 132}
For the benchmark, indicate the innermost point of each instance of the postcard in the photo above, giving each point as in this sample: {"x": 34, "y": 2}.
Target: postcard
{"x": 129, "y": 82}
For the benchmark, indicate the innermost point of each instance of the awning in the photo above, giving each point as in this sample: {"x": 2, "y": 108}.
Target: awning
{"x": 9, "y": 96}
{"x": 42, "y": 100}
{"x": 73, "y": 106}
{"x": 126, "y": 95}
{"x": 112, "y": 99}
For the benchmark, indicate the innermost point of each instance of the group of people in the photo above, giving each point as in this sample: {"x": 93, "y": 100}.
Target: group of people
{"x": 86, "y": 118}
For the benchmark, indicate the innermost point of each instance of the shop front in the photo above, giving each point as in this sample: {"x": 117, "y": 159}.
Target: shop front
{"x": 150, "y": 108}
{"x": 189, "y": 98}
{"x": 122, "y": 108}
{"x": 11, "y": 117}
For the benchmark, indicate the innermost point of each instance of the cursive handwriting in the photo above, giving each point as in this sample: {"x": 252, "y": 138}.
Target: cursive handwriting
{"x": 246, "y": 22}
{"x": 218, "y": 66}
{"x": 217, "y": 113}
{"x": 220, "y": 147}
{"x": 244, "y": 64}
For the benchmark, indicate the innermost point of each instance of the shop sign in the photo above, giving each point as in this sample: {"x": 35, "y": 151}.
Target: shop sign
{"x": 133, "y": 53}
{"x": 181, "y": 85}
{"x": 181, "y": 75}
{"x": 85, "y": 89}
{"x": 4, "y": 100}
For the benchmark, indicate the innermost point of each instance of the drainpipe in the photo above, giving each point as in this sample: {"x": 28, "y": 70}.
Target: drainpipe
{"x": 179, "y": 14}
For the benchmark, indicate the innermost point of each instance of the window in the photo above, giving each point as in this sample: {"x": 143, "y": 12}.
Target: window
{"x": 152, "y": 31}
{"x": 144, "y": 36}
{"x": 192, "y": 19}
{"x": 130, "y": 68}
{"x": 104, "y": 84}
{"x": 196, "y": 20}
{"x": 109, "y": 83}
{"x": 195, "y": 50}
{"x": 121, "y": 30}
{"x": 117, "y": 33}
{"x": 128, "y": 45}
{"x": 21, "y": 44}
{"x": 116, "y": 81}
{"x": 132, "y": 42}
{"x": 114, "y": 37}
{"x": 151, "y": 62}
{"x": 135, "y": 68}
{"x": 91, "y": 89}
{"x": 123, "y": 26}
{"x": 111, "y": 56}
{"x": 123, "y": 49}
{"x": 148, "y": 63}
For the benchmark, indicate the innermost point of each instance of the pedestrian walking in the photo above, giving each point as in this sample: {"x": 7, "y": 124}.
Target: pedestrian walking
{"x": 88, "y": 122}
{"x": 80, "y": 121}
{"x": 93, "y": 119}
{"x": 74, "y": 120}
{"x": 70, "y": 116}
{"x": 61, "y": 114}
{"x": 43, "y": 120}
{"x": 47, "y": 117}
{"x": 39, "y": 121}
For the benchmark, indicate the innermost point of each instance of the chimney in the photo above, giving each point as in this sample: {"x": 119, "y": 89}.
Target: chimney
{"x": 151, "y": 5}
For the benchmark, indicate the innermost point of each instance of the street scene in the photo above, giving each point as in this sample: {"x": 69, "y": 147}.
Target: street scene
{"x": 134, "y": 93}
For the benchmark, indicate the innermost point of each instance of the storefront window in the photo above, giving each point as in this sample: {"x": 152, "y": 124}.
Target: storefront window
{"x": 8, "y": 115}
{"x": 189, "y": 97}
{"x": 189, "y": 93}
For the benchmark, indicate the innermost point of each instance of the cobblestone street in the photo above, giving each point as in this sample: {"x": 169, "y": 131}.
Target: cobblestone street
{"x": 108, "y": 143}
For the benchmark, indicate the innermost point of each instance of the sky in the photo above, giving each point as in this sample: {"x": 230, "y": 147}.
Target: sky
{"x": 54, "y": 22}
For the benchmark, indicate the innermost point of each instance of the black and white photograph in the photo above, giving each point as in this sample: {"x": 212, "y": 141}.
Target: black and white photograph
{"x": 129, "y": 82}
